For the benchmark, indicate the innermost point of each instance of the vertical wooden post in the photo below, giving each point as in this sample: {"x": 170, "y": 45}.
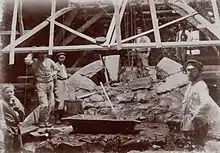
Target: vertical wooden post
{"x": 51, "y": 38}
{"x": 20, "y": 18}
{"x": 118, "y": 25}
{"x": 216, "y": 12}
{"x": 13, "y": 33}
{"x": 111, "y": 26}
{"x": 121, "y": 13}
{"x": 155, "y": 23}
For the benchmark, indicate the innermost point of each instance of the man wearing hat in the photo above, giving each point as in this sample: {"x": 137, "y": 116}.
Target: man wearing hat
{"x": 200, "y": 116}
{"x": 45, "y": 71}
{"x": 11, "y": 114}
{"x": 61, "y": 92}
{"x": 142, "y": 53}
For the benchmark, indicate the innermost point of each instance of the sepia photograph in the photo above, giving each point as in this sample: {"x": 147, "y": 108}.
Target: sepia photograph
{"x": 109, "y": 76}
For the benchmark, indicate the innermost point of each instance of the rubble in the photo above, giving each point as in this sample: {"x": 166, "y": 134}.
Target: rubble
{"x": 143, "y": 103}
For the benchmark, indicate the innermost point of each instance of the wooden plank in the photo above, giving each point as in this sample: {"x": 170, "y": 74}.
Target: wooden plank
{"x": 216, "y": 12}
{"x": 124, "y": 46}
{"x": 160, "y": 27}
{"x": 76, "y": 32}
{"x": 13, "y": 31}
{"x": 51, "y": 37}
{"x": 37, "y": 28}
{"x": 85, "y": 26}
{"x": 20, "y": 18}
{"x": 155, "y": 23}
{"x": 121, "y": 16}
{"x": 60, "y": 35}
{"x": 111, "y": 27}
{"x": 117, "y": 25}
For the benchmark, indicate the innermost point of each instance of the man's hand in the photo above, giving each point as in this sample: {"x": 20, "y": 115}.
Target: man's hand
{"x": 29, "y": 59}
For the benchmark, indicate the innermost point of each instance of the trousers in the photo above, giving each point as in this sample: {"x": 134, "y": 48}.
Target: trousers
{"x": 45, "y": 92}
{"x": 61, "y": 94}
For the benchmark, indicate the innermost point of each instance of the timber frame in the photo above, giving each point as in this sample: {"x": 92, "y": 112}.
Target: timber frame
{"x": 113, "y": 38}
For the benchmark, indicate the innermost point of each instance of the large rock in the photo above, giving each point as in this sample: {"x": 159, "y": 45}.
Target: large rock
{"x": 91, "y": 69}
{"x": 140, "y": 83}
{"x": 173, "y": 81}
{"x": 96, "y": 98}
{"x": 112, "y": 64}
{"x": 169, "y": 66}
{"x": 126, "y": 97}
{"x": 77, "y": 81}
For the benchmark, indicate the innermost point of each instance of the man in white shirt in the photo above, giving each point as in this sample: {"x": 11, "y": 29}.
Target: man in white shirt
{"x": 200, "y": 117}
{"x": 45, "y": 71}
{"x": 61, "y": 89}
{"x": 142, "y": 53}
{"x": 182, "y": 35}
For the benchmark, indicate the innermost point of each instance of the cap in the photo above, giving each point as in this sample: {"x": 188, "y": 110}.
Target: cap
{"x": 193, "y": 63}
{"x": 61, "y": 53}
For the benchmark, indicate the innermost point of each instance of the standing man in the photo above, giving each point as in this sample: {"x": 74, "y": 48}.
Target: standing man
{"x": 61, "y": 92}
{"x": 200, "y": 114}
{"x": 142, "y": 53}
{"x": 11, "y": 114}
{"x": 182, "y": 35}
{"x": 45, "y": 71}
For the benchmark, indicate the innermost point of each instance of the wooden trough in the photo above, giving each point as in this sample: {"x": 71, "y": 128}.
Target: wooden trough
{"x": 93, "y": 124}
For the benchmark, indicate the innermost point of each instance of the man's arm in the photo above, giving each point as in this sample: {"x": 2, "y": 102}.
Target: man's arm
{"x": 3, "y": 126}
{"x": 29, "y": 59}
{"x": 205, "y": 102}
{"x": 54, "y": 67}
{"x": 19, "y": 108}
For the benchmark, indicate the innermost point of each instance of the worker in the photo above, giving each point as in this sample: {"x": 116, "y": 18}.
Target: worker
{"x": 61, "y": 92}
{"x": 45, "y": 71}
{"x": 182, "y": 35}
{"x": 11, "y": 114}
{"x": 142, "y": 54}
{"x": 200, "y": 115}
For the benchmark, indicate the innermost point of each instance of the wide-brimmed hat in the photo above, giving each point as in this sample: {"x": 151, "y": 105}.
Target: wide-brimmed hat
{"x": 193, "y": 63}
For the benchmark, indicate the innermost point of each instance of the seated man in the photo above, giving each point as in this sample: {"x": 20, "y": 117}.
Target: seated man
{"x": 11, "y": 113}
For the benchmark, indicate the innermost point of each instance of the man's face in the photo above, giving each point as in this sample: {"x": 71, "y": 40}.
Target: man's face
{"x": 8, "y": 93}
{"x": 139, "y": 30}
{"x": 192, "y": 72}
{"x": 61, "y": 58}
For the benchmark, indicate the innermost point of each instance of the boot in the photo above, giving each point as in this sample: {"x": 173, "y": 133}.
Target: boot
{"x": 57, "y": 117}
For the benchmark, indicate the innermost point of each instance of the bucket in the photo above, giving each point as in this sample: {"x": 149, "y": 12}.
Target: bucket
{"x": 73, "y": 107}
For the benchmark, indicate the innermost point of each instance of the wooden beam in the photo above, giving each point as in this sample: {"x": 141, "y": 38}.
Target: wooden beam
{"x": 20, "y": 18}
{"x": 51, "y": 37}
{"x": 160, "y": 27}
{"x": 76, "y": 32}
{"x": 124, "y": 4}
{"x": 111, "y": 28}
{"x": 216, "y": 12}
{"x": 117, "y": 30}
{"x": 37, "y": 28}
{"x": 85, "y": 26}
{"x": 155, "y": 23}
{"x": 13, "y": 32}
{"x": 60, "y": 35}
{"x": 124, "y": 46}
